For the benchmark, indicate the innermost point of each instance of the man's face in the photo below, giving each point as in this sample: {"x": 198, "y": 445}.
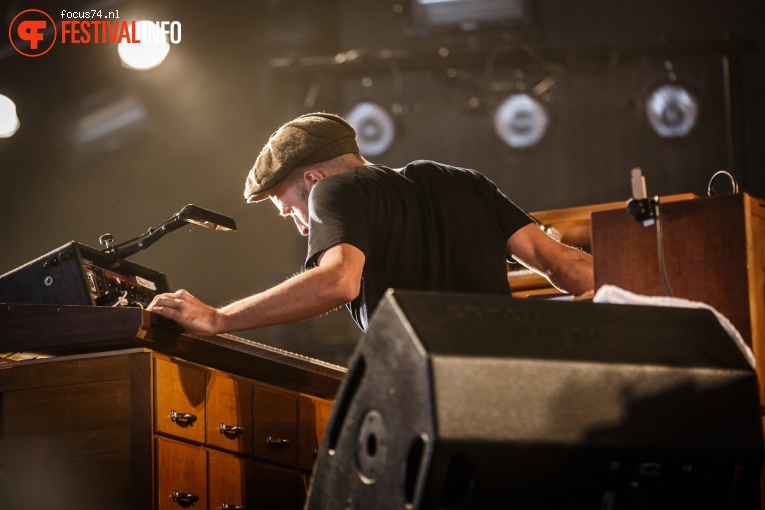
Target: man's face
{"x": 291, "y": 198}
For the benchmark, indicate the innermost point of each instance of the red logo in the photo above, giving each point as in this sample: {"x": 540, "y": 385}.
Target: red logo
{"x": 32, "y": 33}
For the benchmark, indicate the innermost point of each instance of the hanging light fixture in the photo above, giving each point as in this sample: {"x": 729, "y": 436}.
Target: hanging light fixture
{"x": 672, "y": 110}
{"x": 521, "y": 121}
{"x": 375, "y": 128}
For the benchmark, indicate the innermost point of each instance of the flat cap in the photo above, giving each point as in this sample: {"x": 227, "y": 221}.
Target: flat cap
{"x": 311, "y": 138}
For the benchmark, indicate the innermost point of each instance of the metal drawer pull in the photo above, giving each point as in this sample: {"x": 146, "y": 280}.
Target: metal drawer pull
{"x": 226, "y": 506}
{"x": 278, "y": 442}
{"x": 230, "y": 430}
{"x": 185, "y": 499}
{"x": 315, "y": 452}
{"x": 183, "y": 419}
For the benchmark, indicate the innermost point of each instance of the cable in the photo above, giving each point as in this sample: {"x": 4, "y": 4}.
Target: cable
{"x": 660, "y": 245}
{"x": 121, "y": 300}
{"x": 734, "y": 184}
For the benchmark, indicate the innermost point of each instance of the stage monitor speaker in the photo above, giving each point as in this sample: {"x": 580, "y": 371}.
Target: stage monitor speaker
{"x": 466, "y": 401}
{"x": 76, "y": 274}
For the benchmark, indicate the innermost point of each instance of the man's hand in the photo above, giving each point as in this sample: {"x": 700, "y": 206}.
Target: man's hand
{"x": 189, "y": 312}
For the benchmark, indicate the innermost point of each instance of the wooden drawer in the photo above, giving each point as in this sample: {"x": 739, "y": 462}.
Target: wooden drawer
{"x": 276, "y": 489}
{"x": 229, "y": 413}
{"x": 275, "y": 426}
{"x": 181, "y": 475}
{"x": 313, "y": 415}
{"x": 229, "y": 481}
{"x": 179, "y": 393}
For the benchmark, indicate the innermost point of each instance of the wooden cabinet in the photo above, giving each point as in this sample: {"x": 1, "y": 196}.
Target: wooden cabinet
{"x": 571, "y": 226}
{"x": 713, "y": 251}
{"x": 139, "y": 429}
{"x": 68, "y": 434}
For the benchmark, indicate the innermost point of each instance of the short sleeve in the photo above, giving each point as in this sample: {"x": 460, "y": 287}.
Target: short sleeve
{"x": 511, "y": 218}
{"x": 337, "y": 214}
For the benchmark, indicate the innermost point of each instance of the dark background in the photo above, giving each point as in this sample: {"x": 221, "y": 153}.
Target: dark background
{"x": 244, "y": 68}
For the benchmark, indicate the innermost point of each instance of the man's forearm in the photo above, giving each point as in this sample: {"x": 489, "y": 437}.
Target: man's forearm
{"x": 574, "y": 273}
{"x": 335, "y": 281}
{"x": 567, "y": 268}
{"x": 304, "y": 296}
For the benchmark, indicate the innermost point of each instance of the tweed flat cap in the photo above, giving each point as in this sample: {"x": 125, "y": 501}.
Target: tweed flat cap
{"x": 311, "y": 138}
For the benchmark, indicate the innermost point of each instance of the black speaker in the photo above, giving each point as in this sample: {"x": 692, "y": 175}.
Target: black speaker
{"x": 466, "y": 401}
{"x": 76, "y": 274}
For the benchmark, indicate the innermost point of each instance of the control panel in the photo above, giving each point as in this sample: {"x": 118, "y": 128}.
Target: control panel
{"x": 76, "y": 274}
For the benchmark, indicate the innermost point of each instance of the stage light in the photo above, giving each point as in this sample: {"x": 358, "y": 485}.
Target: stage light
{"x": 520, "y": 121}
{"x": 375, "y": 129}
{"x": 9, "y": 121}
{"x": 672, "y": 110}
{"x": 147, "y": 54}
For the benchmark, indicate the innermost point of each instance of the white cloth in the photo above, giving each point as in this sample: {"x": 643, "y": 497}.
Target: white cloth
{"x": 617, "y": 295}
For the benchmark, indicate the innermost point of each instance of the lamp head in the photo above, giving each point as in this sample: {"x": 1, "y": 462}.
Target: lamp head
{"x": 206, "y": 218}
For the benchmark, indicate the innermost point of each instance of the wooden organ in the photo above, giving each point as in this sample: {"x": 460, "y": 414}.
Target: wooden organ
{"x": 109, "y": 409}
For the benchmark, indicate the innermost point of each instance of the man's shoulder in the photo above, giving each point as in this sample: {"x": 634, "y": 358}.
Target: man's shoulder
{"x": 424, "y": 172}
{"x": 427, "y": 170}
{"x": 424, "y": 165}
{"x": 349, "y": 184}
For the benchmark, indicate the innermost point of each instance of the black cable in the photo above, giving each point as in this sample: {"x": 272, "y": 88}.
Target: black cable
{"x": 660, "y": 245}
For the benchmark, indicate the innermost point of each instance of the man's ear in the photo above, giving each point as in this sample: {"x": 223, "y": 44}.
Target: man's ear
{"x": 312, "y": 176}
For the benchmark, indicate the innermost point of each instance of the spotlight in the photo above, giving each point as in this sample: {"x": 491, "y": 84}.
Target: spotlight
{"x": 520, "y": 121}
{"x": 375, "y": 129}
{"x": 147, "y": 54}
{"x": 672, "y": 110}
{"x": 9, "y": 121}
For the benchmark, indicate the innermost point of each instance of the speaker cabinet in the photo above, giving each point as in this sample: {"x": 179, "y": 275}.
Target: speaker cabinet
{"x": 466, "y": 401}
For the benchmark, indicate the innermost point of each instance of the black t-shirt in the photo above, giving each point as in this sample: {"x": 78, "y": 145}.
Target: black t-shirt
{"x": 427, "y": 227}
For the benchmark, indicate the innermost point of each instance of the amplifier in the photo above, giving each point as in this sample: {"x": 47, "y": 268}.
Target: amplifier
{"x": 76, "y": 274}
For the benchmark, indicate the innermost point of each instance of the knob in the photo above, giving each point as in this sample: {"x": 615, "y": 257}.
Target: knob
{"x": 106, "y": 240}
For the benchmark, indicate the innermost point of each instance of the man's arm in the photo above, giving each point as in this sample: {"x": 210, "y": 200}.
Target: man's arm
{"x": 567, "y": 268}
{"x": 335, "y": 281}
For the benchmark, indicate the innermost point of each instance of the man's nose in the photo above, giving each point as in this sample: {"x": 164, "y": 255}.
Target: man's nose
{"x": 302, "y": 227}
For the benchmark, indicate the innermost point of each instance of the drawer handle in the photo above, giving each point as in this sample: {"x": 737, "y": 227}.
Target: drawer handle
{"x": 183, "y": 419}
{"x": 230, "y": 430}
{"x": 315, "y": 452}
{"x": 277, "y": 442}
{"x": 226, "y": 506}
{"x": 185, "y": 499}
